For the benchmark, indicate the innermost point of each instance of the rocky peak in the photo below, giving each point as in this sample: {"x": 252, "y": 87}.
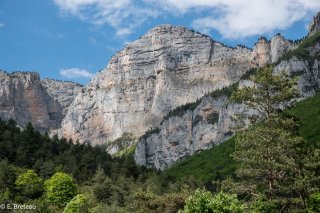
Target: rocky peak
{"x": 167, "y": 67}
{"x": 314, "y": 26}
{"x": 278, "y": 46}
{"x": 261, "y": 52}
{"x": 24, "y": 98}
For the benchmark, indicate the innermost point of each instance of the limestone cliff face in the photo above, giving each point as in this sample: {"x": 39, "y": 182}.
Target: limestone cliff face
{"x": 61, "y": 91}
{"x": 261, "y": 52}
{"x": 167, "y": 67}
{"x": 266, "y": 52}
{"x": 24, "y": 98}
{"x": 278, "y": 46}
{"x": 181, "y": 136}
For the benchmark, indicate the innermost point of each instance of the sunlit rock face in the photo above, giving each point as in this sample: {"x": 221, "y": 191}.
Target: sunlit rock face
{"x": 25, "y": 98}
{"x": 181, "y": 136}
{"x": 167, "y": 67}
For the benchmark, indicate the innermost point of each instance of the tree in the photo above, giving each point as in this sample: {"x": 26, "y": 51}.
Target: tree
{"x": 314, "y": 202}
{"x": 60, "y": 189}
{"x": 203, "y": 201}
{"x": 29, "y": 184}
{"x": 7, "y": 179}
{"x": 78, "y": 204}
{"x": 268, "y": 151}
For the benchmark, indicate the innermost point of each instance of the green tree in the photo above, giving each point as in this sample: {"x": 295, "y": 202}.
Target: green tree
{"x": 7, "y": 180}
{"x": 29, "y": 184}
{"x": 314, "y": 202}
{"x": 203, "y": 201}
{"x": 268, "y": 152}
{"x": 78, "y": 204}
{"x": 60, "y": 189}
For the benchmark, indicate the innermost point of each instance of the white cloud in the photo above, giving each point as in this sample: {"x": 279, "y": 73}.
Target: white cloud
{"x": 123, "y": 15}
{"x": 242, "y": 18}
{"x": 2, "y": 24}
{"x": 75, "y": 73}
{"x": 231, "y": 18}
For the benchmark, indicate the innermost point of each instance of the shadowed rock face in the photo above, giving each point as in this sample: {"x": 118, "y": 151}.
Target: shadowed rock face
{"x": 24, "y": 98}
{"x": 167, "y": 67}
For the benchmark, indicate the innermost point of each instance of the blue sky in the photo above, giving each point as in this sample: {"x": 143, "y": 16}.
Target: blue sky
{"x": 73, "y": 39}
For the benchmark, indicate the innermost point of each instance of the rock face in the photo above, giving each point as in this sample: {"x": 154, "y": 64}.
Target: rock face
{"x": 261, "y": 52}
{"x": 167, "y": 67}
{"x": 181, "y": 136}
{"x": 278, "y": 46}
{"x": 314, "y": 27}
{"x": 266, "y": 52}
{"x": 24, "y": 98}
{"x": 62, "y": 91}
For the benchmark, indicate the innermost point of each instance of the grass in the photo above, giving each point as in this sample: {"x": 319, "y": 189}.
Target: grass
{"x": 205, "y": 165}
{"x": 308, "y": 113}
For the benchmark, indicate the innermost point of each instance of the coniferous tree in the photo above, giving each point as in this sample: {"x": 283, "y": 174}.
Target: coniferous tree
{"x": 268, "y": 152}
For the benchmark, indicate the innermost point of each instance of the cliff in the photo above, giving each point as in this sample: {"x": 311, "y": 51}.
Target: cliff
{"x": 25, "y": 98}
{"x": 210, "y": 123}
{"x": 167, "y": 67}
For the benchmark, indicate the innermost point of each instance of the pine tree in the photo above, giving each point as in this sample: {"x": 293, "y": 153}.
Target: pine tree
{"x": 268, "y": 151}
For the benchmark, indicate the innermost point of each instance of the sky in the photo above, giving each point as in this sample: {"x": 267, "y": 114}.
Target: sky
{"x": 74, "y": 39}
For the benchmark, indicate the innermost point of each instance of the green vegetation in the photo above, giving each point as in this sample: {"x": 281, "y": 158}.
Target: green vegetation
{"x": 225, "y": 91}
{"x": 29, "y": 185}
{"x": 78, "y": 204}
{"x": 273, "y": 166}
{"x": 314, "y": 202}
{"x": 151, "y": 131}
{"x": 212, "y": 164}
{"x": 302, "y": 50}
{"x": 60, "y": 189}
{"x": 274, "y": 162}
{"x": 181, "y": 110}
{"x": 204, "y": 201}
{"x": 308, "y": 113}
{"x": 125, "y": 144}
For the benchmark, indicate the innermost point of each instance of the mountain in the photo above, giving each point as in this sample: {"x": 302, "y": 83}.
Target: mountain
{"x": 167, "y": 67}
{"x": 167, "y": 92}
{"x": 25, "y": 98}
{"x": 208, "y": 122}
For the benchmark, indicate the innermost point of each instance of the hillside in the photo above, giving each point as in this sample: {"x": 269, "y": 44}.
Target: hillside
{"x": 205, "y": 165}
